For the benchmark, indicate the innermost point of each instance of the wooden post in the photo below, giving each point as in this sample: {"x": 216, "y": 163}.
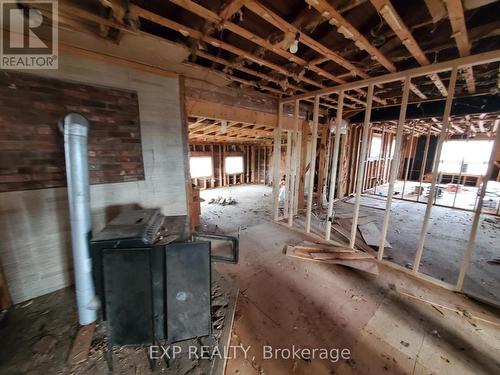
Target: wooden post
{"x": 379, "y": 161}
{"x": 276, "y": 163}
{"x": 259, "y": 179}
{"x": 394, "y": 165}
{"x": 253, "y": 163}
{"x": 321, "y": 166}
{"x": 265, "y": 165}
{"x": 361, "y": 165}
{"x": 410, "y": 151}
{"x": 312, "y": 165}
{"x": 335, "y": 160}
{"x": 477, "y": 215}
{"x": 459, "y": 176}
{"x": 288, "y": 173}
{"x": 442, "y": 135}
{"x": 220, "y": 166}
{"x": 424, "y": 162}
{"x": 212, "y": 179}
{"x": 340, "y": 179}
{"x": 295, "y": 162}
{"x": 304, "y": 132}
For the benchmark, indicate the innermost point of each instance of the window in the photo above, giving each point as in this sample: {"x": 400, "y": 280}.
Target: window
{"x": 375, "y": 146}
{"x": 475, "y": 155}
{"x": 234, "y": 164}
{"x": 200, "y": 166}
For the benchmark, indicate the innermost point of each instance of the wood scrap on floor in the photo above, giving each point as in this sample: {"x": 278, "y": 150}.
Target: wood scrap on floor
{"x": 81, "y": 346}
{"x": 343, "y": 227}
{"x": 334, "y": 255}
{"x": 461, "y": 310}
{"x": 371, "y": 202}
{"x": 371, "y": 235}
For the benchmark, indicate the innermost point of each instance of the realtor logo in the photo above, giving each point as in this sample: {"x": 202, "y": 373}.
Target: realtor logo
{"x": 29, "y": 34}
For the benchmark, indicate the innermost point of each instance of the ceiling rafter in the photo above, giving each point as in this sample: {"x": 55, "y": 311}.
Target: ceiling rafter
{"x": 265, "y": 77}
{"x": 214, "y": 18}
{"x": 345, "y": 28}
{"x": 231, "y": 9}
{"x": 187, "y": 31}
{"x": 457, "y": 20}
{"x": 279, "y": 22}
{"x": 284, "y": 26}
{"x": 390, "y": 15}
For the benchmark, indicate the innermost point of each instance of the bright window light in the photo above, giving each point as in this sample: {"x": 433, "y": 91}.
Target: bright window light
{"x": 200, "y": 166}
{"x": 234, "y": 164}
{"x": 475, "y": 155}
{"x": 375, "y": 146}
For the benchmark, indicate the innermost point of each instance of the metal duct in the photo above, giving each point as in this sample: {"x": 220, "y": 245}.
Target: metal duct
{"x": 76, "y": 129}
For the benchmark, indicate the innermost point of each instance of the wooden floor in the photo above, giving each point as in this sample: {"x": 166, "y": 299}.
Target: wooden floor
{"x": 286, "y": 301}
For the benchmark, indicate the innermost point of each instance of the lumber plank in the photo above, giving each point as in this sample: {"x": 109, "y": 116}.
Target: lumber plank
{"x": 81, "y": 346}
{"x": 371, "y": 235}
{"x": 462, "y": 310}
{"x": 365, "y": 263}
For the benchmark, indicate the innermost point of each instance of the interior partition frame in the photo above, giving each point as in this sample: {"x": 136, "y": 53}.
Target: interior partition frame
{"x": 406, "y": 76}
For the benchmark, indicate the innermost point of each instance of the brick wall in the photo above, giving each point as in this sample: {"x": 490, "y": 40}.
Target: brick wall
{"x": 32, "y": 148}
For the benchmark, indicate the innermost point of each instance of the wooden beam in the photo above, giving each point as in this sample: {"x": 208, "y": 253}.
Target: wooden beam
{"x": 274, "y": 19}
{"x": 482, "y": 58}
{"x": 214, "y": 18}
{"x": 187, "y": 31}
{"x": 345, "y": 28}
{"x": 457, "y": 20}
{"x": 230, "y": 9}
{"x": 391, "y": 16}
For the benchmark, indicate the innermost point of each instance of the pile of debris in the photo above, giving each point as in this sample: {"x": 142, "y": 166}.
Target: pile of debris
{"x": 222, "y": 201}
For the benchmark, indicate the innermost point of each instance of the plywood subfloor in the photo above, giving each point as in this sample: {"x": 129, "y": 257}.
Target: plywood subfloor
{"x": 285, "y": 302}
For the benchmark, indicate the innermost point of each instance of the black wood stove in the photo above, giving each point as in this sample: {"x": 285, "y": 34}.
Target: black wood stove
{"x": 153, "y": 278}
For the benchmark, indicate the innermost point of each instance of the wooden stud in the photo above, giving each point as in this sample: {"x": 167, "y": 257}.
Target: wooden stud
{"x": 477, "y": 215}
{"x": 394, "y": 166}
{"x": 294, "y": 165}
{"x": 424, "y": 162}
{"x": 276, "y": 163}
{"x": 361, "y": 166}
{"x": 335, "y": 161}
{"x": 288, "y": 173}
{"x": 435, "y": 168}
{"x": 312, "y": 168}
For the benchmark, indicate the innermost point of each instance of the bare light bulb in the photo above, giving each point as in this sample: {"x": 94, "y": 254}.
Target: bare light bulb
{"x": 294, "y": 46}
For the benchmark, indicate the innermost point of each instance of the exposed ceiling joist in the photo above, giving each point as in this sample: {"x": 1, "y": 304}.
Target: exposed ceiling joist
{"x": 230, "y": 9}
{"x": 390, "y": 15}
{"x": 213, "y": 17}
{"x": 345, "y": 28}
{"x": 457, "y": 20}
{"x": 279, "y": 22}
